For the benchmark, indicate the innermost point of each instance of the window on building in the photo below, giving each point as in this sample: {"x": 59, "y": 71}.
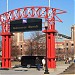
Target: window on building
{"x": 67, "y": 48}
{"x": 66, "y": 44}
{"x": 21, "y": 45}
{"x": 72, "y": 44}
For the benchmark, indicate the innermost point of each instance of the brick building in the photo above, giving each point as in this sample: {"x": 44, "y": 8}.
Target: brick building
{"x": 64, "y": 44}
{"x": 18, "y": 40}
{"x": 73, "y": 36}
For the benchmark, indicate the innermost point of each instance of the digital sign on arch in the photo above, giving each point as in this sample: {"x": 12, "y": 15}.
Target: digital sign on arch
{"x": 26, "y": 24}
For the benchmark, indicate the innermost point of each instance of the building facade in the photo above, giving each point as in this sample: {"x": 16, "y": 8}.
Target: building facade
{"x": 18, "y": 40}
{"x": 73, "y": 37}
{"x": 64, "y": 44}
{"x": 60, "y": 41}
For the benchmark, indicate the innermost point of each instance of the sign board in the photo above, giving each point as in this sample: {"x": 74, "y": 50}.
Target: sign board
{"x": 26, "y": 24}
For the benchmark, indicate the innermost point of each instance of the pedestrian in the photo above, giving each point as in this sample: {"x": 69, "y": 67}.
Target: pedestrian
{"x": 37, "y": 61}
{"x": 66, "y": 60}
{"x": 74, "y": 60}
{"x": 43, "y": 63}
{"x": 70, "y": 60}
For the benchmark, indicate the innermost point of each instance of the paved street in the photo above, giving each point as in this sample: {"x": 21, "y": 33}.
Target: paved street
{"x": 32, "y": 71}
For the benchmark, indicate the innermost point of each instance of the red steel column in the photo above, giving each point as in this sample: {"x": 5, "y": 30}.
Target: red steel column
{"x": 52, "y": 51}
{"x": 6, "y": 55}
{"x": 7, "y": 51}
{"x": 49, "y": 48}
{"x": 3, "y": 51}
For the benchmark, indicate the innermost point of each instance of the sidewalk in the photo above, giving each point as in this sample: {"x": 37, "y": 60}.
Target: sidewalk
{"x": 59, "y": 69}
{"x": 70, "y": 70}
{"x": 32, "y": 71}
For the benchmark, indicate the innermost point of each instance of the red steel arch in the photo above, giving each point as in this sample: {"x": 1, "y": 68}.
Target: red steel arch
{"x": 49, "y": 14}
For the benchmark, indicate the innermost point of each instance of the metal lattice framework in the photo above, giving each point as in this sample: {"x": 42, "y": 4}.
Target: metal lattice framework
{"x": 49, "y": 14}
{"x": 29, "y": 12}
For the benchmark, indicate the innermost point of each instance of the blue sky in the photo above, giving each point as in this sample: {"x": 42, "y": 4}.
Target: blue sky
{"x": 67, "y": 5}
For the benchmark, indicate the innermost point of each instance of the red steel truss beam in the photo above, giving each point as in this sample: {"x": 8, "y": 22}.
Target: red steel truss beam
{"x": 29, "y": 12}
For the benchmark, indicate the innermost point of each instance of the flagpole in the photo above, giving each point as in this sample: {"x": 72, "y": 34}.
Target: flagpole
{"x": 49, "y": 3}
{"x": 7, "y": 5}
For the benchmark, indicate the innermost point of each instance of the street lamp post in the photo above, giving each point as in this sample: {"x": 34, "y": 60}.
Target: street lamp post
{"x": 46, "y": 68}
{"x": 21, "y": 50}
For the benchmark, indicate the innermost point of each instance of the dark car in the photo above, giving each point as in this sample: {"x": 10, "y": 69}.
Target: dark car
{"x": 29, "y": 61}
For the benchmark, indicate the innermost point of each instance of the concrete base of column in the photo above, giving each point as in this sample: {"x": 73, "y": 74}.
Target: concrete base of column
{"x": 46, "y": 74}
{"x": 51, "y": 70}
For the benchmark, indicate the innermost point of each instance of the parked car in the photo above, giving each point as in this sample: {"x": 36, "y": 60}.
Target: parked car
{"x": 29, "y": 61}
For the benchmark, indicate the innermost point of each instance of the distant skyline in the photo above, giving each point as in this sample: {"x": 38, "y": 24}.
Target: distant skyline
{"x": 67, "y": 5}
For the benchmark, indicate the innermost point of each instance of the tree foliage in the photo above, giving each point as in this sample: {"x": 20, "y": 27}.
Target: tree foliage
{"x": 14, "y": 49}
{"x": 35, "y": 47}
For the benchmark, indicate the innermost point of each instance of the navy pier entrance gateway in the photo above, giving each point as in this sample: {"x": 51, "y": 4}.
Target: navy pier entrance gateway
{"x": 26, "y": 24}
{"x": 29, "y": 12}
